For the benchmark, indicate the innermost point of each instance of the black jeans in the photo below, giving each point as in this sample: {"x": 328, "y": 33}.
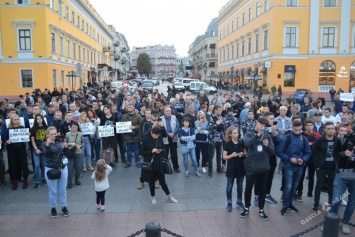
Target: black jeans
{"x": 215, "y": 147}
{"x": 270, "y": 177}
{"x": 260, "y": 185}
{"x": 201, "y": 148}
{"x": 156, "y": 175}
{"x": 172, "y": 147}
{"x": 310, "y": 179}
{"x": 100, "y": 197}
{"x": 322, "y": 175}
{"x": 17, "y": 158}
{"x": 122, "y": 148}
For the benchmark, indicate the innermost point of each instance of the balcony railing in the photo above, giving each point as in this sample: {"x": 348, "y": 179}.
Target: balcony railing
{"x": 117, "y": 57}
{"x": 211, "y": 55}
{"x": 124, "y": 49}
{"x": 123, "y": 61}
{"x": 116, "y": 43}
{"x": 106, "y": 49}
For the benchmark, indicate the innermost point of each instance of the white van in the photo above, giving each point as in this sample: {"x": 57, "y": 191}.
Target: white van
{"x": 186, "y": 82}
{"x": 202, "y": 86}
{"x": 122, "y": 84}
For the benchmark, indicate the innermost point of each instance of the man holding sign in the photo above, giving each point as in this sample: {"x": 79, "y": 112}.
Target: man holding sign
{"x": 109, "y": 142}
{"x": 130, "y": 128}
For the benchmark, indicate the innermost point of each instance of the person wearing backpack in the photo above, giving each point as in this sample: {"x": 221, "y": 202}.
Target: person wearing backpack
{"x": 293, "y": 155}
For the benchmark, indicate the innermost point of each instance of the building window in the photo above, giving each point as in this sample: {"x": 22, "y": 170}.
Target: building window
{"x": 290, "y": 76}
{"x": 256, "y": 43}
{"x": 220, "y": 35}
{"x": 328, "y": 37}
{"x": 74, "y": 50}
{"x": 265, "y": 45}
{"x": 290, "y": 39}
{"x": 87, "y": 55}
{"x": 257, "y": 9}
{"x": 249, "y": 15}
{"x": 291, "y": 3}
{"x": 242, "y": 48}
{"x": 227, "y": 29}
{"x": 249, "y": 45}
{"x": 61, "y": 45}
{"x": 243, "y": 19}
{"x": 55, "y": 81}
{"x": 69, "y": 80}
{"x": 224, "y": 32}
{"x": 352, "y": 75}
{"x": 26, "y": 78}
{"x": 84, "y": 55}
{"x": 237, "y": 51}
{"x": 213, "y": 33}
{"x": 266, "y": 5}
{"x": 82, "y": 25}
{"x": 73, "y": 17}
{"x": 79, "y": 51}
{"x": 54, "y": 48}
{"x": 327, "y": 73}
{"x": 232, "y": 26}
{"x": 87, "y": 27}
{"x": 330, "y": 3}
{"x": 60, "y": 7}
{"x": 232, "y": 52}
{"x": 78, "y": 22}
{"x": 90, "y": 31}
{"x": 25, "y": 39}
{"x": 68, "y": 47}
{"x": 52, "y": 2}
{"x": 224, "y": 55}
{"x": 237, "y": 22}
{"x": 67, "y": 12}
{"x": 62, "y": 74}
{"x": 23, "y": 1}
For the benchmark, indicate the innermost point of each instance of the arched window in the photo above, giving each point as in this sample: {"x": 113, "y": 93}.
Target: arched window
{"x": 327, "y": 73}
{"x": 352, "y": 75}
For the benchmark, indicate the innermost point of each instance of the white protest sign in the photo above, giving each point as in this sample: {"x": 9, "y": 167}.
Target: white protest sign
{"x": 124, "y": 127}
{"x": 347, "y": 97}
{"x": 8, "y": 122}
{"x": 106, "y": 131}
{"x": 87, "y": 128}
{"x": 19, "y": 135}
{"x": 32, "y": 121}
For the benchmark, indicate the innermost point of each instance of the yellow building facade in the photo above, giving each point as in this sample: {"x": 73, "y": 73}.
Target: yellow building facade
{"x": 43, "y": 41}
{"x": 292, "y": 43}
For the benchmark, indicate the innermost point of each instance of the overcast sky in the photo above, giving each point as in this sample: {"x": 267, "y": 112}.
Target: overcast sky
{"x": 145, "y": 22}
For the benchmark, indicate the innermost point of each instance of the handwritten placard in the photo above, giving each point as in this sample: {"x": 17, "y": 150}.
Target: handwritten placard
{"x": 32, "y": 121}
{"x": 8, "y": 122}
{"x": 106, "y": 131}
{"x": 19, "y": 135}
{"x": 87, "y": 128}
{"x": 123, "y": 127}
{"x": 349, "y": 97}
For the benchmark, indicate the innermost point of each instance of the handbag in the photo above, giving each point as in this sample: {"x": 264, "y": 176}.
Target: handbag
{"x": 167, "y": 166}
{"x": 53, "y": 174}
{"x": 71, "y": 151}
{"x": 147, "y": 166}
{"x": 202, "y": 137}
{"x": 256, "y": 164}
{"x": 347, "y": 174}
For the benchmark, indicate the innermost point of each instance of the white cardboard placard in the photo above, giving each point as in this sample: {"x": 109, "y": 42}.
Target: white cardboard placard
{"x": 124, "y": 127}
{"x": 19, "y": 135}
{"x": 106, "y": 131}
{"x": 87, "y": 128}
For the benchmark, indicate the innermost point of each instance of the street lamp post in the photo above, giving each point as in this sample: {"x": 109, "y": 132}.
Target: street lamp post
{"x": 72, "y": 75}
{"x": 256, "y": 72}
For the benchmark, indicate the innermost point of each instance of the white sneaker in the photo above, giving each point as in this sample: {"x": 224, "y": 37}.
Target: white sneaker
{"x": 172, "y": 199}
{"x": 345, "y": 229}
{"x": 344, "y": 203}
{"x": 203, "y": 170}
{"x": 154, "y": 201}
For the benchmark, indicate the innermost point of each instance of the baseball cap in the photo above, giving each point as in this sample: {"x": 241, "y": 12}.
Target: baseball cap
{"x": 318, "y": 113}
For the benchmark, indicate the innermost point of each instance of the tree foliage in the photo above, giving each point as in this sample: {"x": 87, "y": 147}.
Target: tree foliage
{"x": 143, "y": 64}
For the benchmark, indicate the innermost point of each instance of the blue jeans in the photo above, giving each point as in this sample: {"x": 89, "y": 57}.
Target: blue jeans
{"x": 192, "y": 153}
{"x": 292, "y": 177}
{"x": 132, "y": 147}
{"x": 39, "y": 161}
{"x": 86, "y": 154}
{"x": 239, "y": 182}
{"x": 57, "y": 186}
{"x": 339, "y": 188}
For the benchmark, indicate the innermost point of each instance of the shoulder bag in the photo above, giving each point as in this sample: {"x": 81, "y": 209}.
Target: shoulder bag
{"x": 56, "y": 173}
{"x": 71, "y": 151}
{"x": 147, "y": 166}
{"x": 256, "y": 164}
{"x": 167, "y": 168}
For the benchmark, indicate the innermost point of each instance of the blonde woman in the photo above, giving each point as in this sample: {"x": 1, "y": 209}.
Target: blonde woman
{"x": 201, "y": 128}
{"x": 86, "y": 154}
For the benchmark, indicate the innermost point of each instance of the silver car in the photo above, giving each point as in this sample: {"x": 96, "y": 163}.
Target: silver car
{"x": 148, "y": 86}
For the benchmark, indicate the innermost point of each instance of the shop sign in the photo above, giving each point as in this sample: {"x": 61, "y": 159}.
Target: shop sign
{"x": 343, "y": 73}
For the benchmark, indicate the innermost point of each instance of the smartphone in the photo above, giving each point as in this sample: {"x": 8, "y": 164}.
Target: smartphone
{"x": 59, "y": 138}
{"x": 274, "y": 123}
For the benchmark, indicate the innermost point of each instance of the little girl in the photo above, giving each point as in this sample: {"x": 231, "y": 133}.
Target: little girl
{"x": 101, "y": 182}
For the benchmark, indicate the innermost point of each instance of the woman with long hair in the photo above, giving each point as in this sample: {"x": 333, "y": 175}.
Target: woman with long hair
{"x": 38, "y": 136}
{"x": 234, "y": 153}
{"x": 86, "y": 154}
{"x": 17, "y": 155}
{"x": 52, "y": 152}
{"x": 96, "y": 139}
{"x": 201, "y": 128}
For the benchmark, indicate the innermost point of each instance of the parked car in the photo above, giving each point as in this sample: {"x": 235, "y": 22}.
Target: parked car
{"x": 154, "y": 81}
{"x": 196, "y": 86}
{"x": 124, "y": 84}
{"x": 186, "y": 82}
{"x": 179, "y": 87}
{"x": 148, "y": 86}
{"x": 300, "y": 94}
{"x": 178, "y": 80}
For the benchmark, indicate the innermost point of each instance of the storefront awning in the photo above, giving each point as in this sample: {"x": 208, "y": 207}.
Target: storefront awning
{"x": 241, "y": 71}
{"x": 246, "y": 71}
{"x": 290, "y": 68}
{"x": 257, "y": 77}
{"x": 263, "y": 70}
{"x": 212, "y": 64}
{"x": 212, "y": 46}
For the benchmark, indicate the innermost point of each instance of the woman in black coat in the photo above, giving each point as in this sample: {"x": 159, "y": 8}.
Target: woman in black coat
{"x": 152, "y": 150}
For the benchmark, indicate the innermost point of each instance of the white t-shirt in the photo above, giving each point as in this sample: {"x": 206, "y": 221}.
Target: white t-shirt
{"x": 330, "y": 119}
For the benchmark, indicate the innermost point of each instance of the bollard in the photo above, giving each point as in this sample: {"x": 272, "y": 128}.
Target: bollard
{"x": 152, "y": 229}
{"x": 331, "y": 225}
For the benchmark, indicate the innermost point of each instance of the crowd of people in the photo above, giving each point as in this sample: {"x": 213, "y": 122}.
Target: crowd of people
{"x": 243, "y": 137}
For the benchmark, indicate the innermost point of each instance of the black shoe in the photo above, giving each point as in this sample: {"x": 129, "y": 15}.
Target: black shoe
{"x": 77, "y": 182}
{"x": 315, "y": 208}
{"x": 54, "y": 213}
{"x": 70, "y": 186}
{"x": 283, "y": 210}
{"x": 113, "y": 165}
{"x": 127, "y": 165}
{"x": 309, "y": 195}
{"x": 177, "y": 170}
{"x": 65, "y": 211}
{"x": 210, "y": 174}
{"x": 293, "y": 208}
{"x": 244, "y": 213}
{"x": 263, "y": 215}
{"x": 44, "y": 182}
{"x": 36, "y": 186}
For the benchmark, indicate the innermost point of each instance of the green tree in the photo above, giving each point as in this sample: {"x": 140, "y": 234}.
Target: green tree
{"x": 143, "y": 64}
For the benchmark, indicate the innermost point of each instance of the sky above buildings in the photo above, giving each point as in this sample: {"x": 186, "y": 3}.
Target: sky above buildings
{"x": 152, "y": 22}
